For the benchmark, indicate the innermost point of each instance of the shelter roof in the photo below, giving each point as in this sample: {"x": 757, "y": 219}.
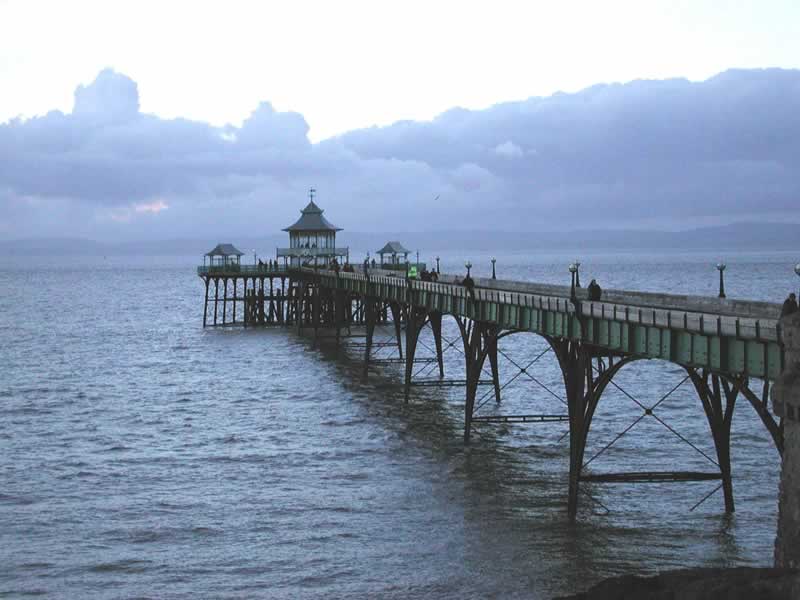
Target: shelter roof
{"x": 311, "y": 219}
{"x": 394, "y": 248}
{"x": 225, "y": 250}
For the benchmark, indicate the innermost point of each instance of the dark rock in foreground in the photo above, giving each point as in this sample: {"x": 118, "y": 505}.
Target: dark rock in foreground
{"x": 700, "y": 584}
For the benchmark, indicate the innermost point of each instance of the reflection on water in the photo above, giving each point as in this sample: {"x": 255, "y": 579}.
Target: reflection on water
{"x": 142, "y": 455}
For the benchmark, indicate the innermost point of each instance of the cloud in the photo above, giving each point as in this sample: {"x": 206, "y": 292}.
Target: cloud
{"x": 656, "y": 151}
{"x": 154, "y": 207}
{"x": 111, "y": 97}
{"x": 508, "y": 149}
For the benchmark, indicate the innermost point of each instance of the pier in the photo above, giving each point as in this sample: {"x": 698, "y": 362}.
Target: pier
{"x": 729, "y": 350}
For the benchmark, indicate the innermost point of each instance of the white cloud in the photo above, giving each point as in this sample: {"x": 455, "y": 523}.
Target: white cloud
{"x": 154, "y": 207}
{"x": 508, "y": 149}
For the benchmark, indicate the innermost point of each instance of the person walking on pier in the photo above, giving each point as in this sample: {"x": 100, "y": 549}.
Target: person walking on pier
{"x": 594, "y": 291}
{"x": 789, "y": 305}
{"x": 469, "y": 284}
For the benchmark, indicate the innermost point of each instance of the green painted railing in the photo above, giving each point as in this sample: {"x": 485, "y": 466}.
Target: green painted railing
{"x": 727, "y": 343}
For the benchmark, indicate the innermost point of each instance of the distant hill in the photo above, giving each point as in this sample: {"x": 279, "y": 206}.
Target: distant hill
{"x": 739, "y": 236}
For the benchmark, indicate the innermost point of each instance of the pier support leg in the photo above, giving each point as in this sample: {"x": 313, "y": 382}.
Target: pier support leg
{"x": 397, "y": 319}
{"x": 495, "y": 369}
{"x": 315, "y": 310}
{"x": 370, "y": 317}
{"x": 271, "y": 317}
{"x": 710, "y": 388}
{"x": 477, "y": 336}
{"x": 435, "y": 319}
{"x": 574, "y": 367}
{"x": 339, "y": 314}
{"x": 205, "y": 304}
{"x": 245, "y": 303}
{"x": 235, "y": 297}
{"x": 299, "y": 305}
{"x": 261, "y": 303}
{"x": 415, "y": 320}
{"x": 216, "y": 298}
{"x": 583, "y": 389}
{"x": 224, "y": 299}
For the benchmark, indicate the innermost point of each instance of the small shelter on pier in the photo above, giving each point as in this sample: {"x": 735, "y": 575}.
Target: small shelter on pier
{"x": 223, "y": 255}
{"x": 393, "y": 250}
{"x": 312, "y": 239}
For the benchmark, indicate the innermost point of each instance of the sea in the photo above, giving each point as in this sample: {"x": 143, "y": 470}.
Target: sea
{"x": 143, "y": 456}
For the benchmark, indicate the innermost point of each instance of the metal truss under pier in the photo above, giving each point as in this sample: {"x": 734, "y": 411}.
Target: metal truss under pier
{"x": 727, "y": 349}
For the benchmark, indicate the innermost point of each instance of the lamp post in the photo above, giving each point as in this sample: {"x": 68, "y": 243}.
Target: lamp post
{"x": 573, "y": 271}
{"x": 254, "y": 256}
{"x": 577, "y": 273}
{"x": 494, "y": 273}
{"x": 721, "y": 269}
{"x": 418, "y": 259}
{"x": 469, "y": 266}
{"x": 437, "y": 266}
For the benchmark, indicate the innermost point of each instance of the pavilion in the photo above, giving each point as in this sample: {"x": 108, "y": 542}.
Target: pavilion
{"x": 312, "y": 239}
{"x": 394, "y": 250}
{"x": 224, "y": 256}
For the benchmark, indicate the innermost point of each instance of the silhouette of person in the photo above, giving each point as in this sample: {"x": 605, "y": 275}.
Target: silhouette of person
{"x": 594, "y": 290}
{"x": 789, "y": 306}
{"x": 469, "y": 284}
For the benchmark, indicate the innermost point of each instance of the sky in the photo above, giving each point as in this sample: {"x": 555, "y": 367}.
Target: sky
{"x": 139, "y": 119}
{"x": 346, "y": 65}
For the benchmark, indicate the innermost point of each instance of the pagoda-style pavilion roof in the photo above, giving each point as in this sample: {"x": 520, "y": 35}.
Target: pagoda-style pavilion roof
{"x": 393, "y": 248}
{"x": 225, "y": 250}
{"x": 312, "y": 220}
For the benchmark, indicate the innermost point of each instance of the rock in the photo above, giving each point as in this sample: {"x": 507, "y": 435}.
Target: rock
{"x": 740, "y": 583}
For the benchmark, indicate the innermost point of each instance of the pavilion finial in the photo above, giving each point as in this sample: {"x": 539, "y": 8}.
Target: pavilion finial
{"x": 311, "y": 192}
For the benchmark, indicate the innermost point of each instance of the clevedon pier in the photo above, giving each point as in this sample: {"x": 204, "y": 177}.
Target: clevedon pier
{"x": 728, "y": 350}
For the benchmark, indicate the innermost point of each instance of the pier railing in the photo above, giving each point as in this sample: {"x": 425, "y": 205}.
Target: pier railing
{"x": 726, "y": 335}
{"x": 312, "y": 252}
{"x": 241, "y": 270}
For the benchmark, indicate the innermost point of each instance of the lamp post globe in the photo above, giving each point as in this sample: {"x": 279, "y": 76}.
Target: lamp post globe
{"x": 494, "y": 273}
{"x": 572, "y": 270}
{"x": 721, "y": 268}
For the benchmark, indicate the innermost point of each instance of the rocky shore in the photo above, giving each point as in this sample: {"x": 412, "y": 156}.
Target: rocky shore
{"x": 700, "y": 584}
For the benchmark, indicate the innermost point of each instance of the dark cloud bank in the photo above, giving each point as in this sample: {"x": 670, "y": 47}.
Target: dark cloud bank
{"x": 648, "y": 154}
